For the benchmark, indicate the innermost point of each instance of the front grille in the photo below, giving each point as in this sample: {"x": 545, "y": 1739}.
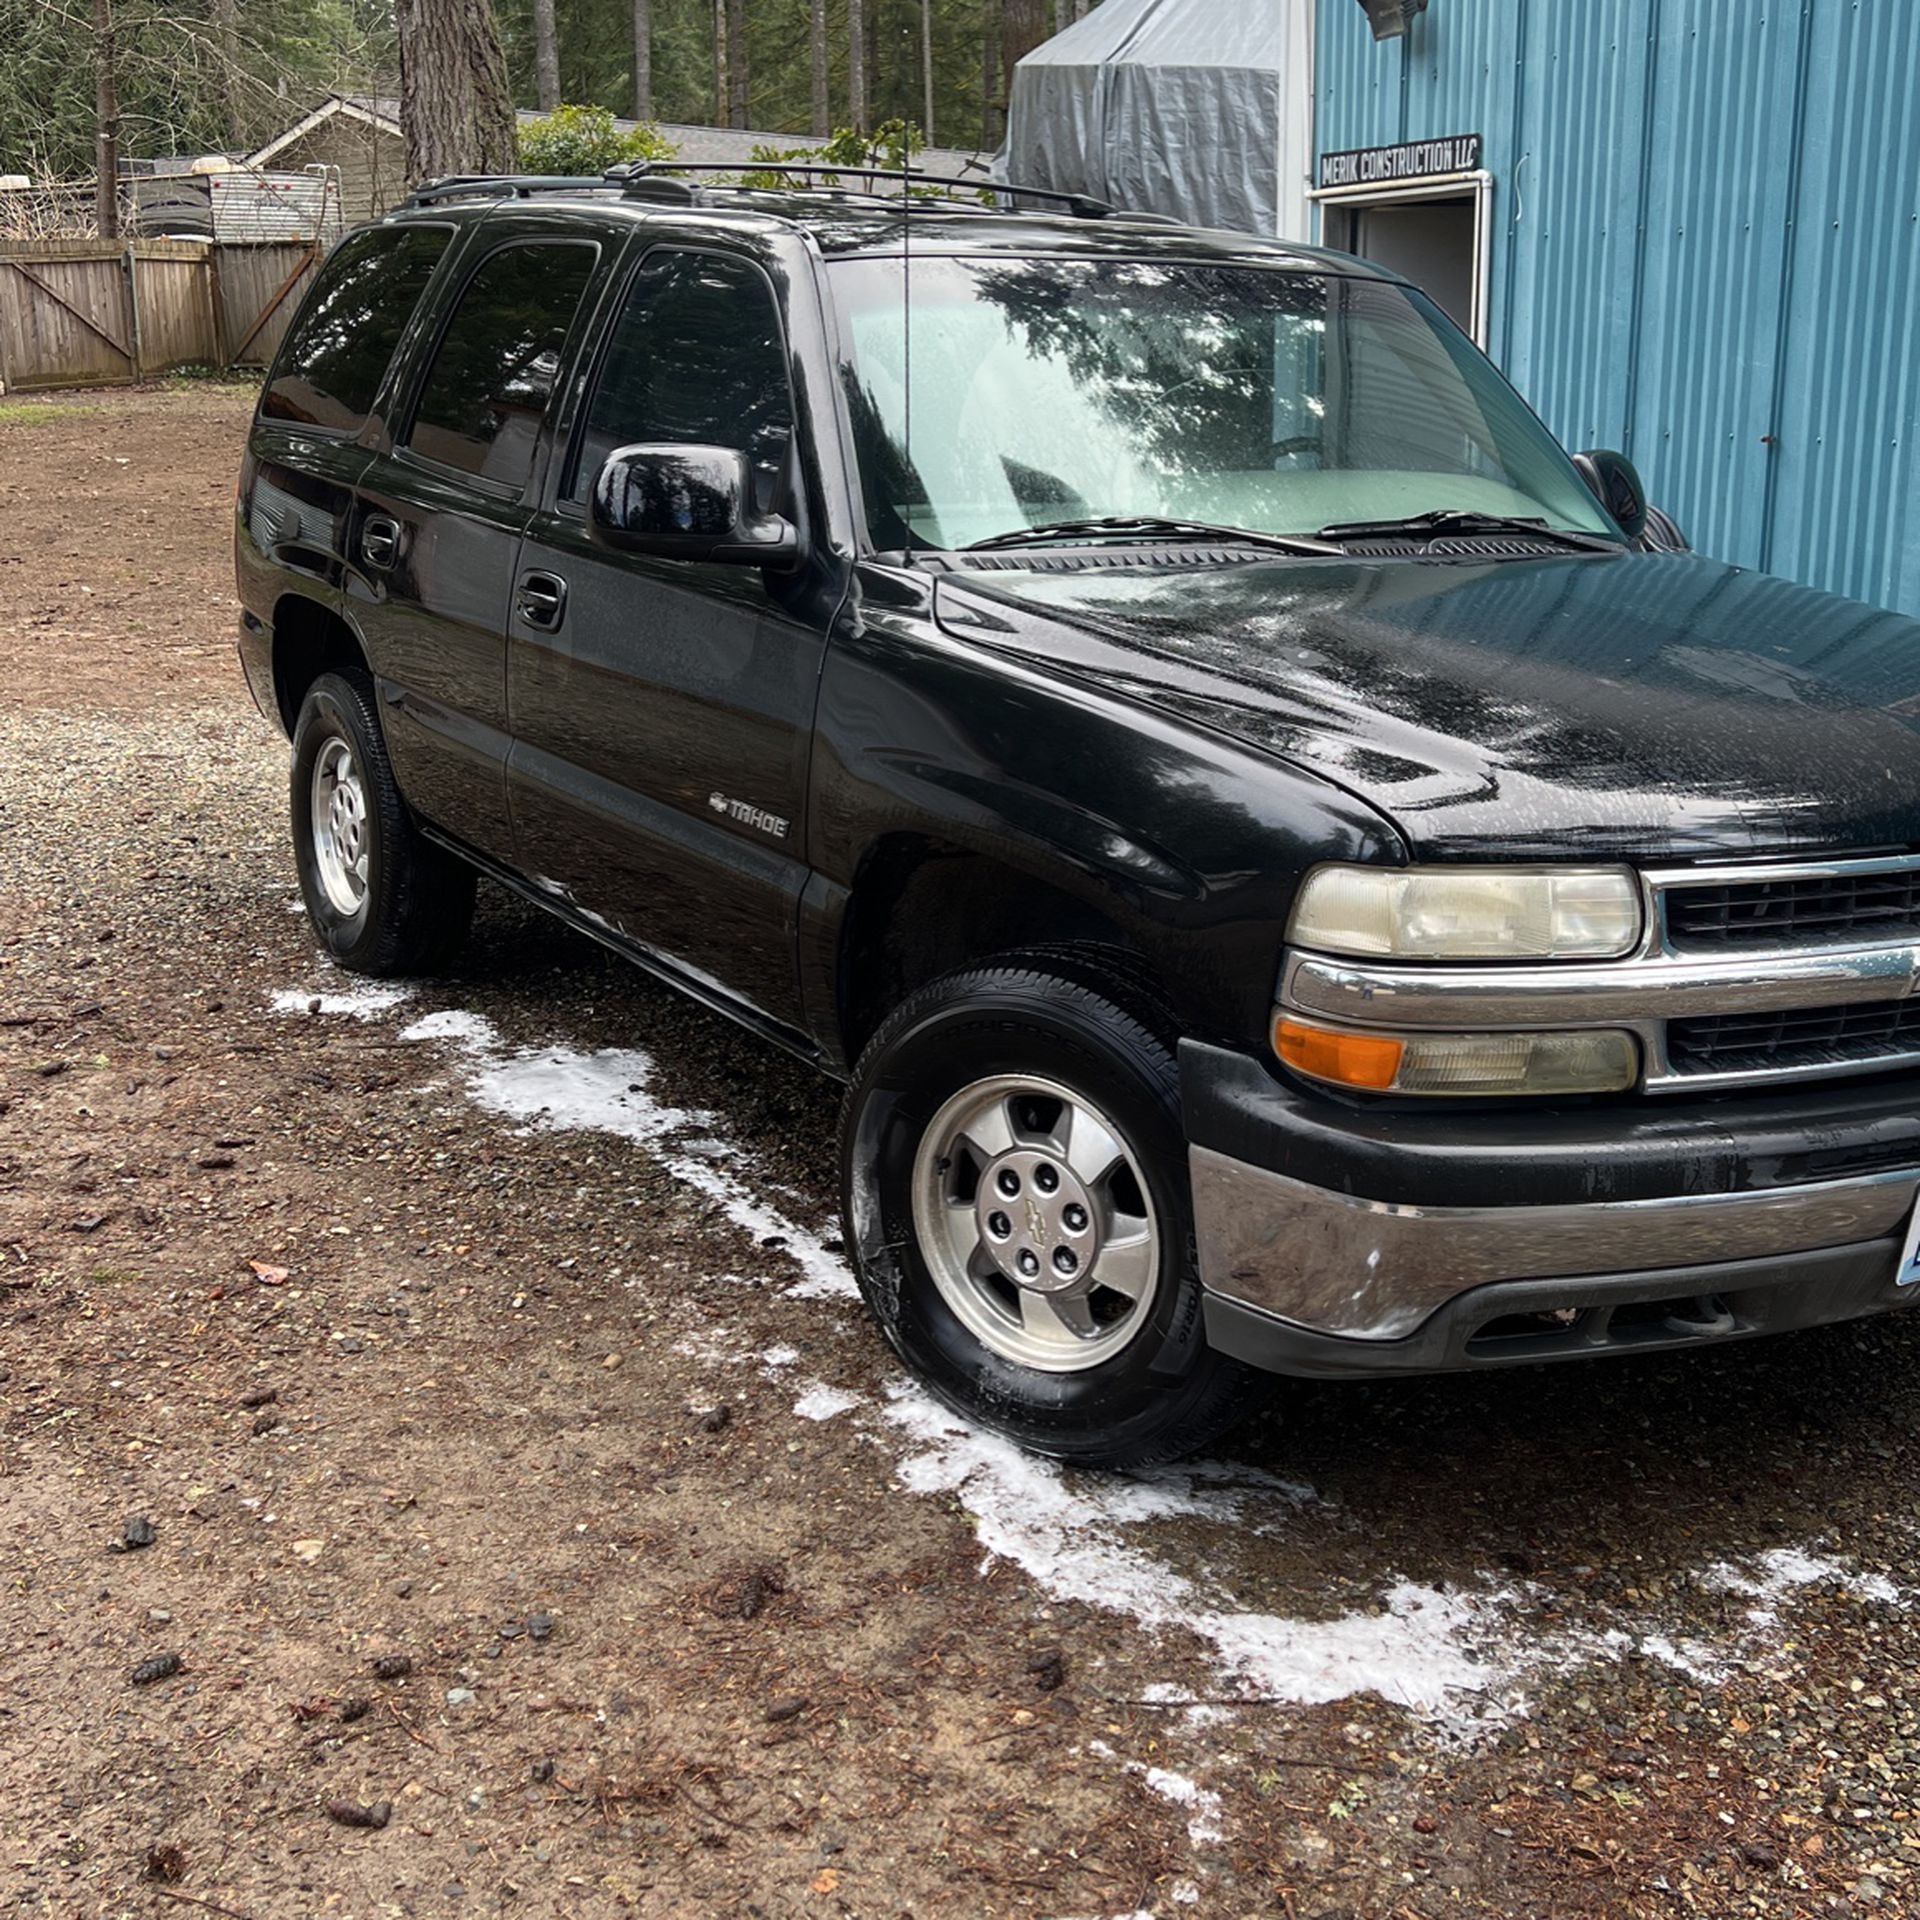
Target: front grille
{"x": 1830, "y": 909}
{"x": 1803, "y": 1037}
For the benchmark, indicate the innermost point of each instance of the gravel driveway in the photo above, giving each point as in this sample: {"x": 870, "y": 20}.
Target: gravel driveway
{"x": 445, "y": 1468}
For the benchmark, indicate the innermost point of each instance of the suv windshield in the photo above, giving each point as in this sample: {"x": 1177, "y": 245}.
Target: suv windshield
{"x": 990, "y": 395}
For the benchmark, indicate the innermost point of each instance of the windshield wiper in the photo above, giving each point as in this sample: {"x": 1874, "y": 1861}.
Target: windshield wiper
{"x": 1147, "y": 527}
{"x": 1463, "y": 520}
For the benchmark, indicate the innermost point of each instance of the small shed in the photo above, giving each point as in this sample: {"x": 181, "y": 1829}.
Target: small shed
{"x": 358, "y": 136}
{"x": 1199, "y": 109}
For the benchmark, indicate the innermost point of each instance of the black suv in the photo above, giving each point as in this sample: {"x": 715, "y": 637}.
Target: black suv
{"x": 1293, "y": 881}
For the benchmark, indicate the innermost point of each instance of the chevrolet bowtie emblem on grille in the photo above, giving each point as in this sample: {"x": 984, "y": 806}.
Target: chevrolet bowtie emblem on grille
{"x": 748, "y": 815}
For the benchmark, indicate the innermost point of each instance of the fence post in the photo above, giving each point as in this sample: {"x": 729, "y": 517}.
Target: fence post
{"x": 217, "y": 305}
{"x": 133, "y": 310}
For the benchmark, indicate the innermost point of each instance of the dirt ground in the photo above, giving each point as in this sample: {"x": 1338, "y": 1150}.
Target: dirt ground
{"x": 494, "y": 1330}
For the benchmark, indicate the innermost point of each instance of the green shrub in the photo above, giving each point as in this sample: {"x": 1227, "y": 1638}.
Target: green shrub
{"x": 584, "y": 140}
{"x": 890, "y": 148}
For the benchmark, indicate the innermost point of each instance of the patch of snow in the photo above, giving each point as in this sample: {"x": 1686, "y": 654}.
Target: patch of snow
{"x": 605, "y": 1091}
{"x": 1778, "y": 1571}
{"x": 775, "y": 1358}
{"x": 1203, "y": 1827}
{"x": 1694, "y": 1658}
{"x": 710, "y": 1347}
{"x": 1195, "y": 1714}
{"x": 822, "y": 1402}
{"x": 361, "y": 1002}
{"x": 1425, "y": 1650}
{"x": 450, "y": 1024}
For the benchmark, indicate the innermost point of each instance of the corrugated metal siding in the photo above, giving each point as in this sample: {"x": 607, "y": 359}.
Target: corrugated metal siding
{"x": 1706, "y": 250}
{"x": 1849, "y": 420}
{"x": 1568, "y": 223}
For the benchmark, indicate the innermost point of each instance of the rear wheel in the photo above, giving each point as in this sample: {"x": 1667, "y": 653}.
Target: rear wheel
{"x": 1017, "y": 1203}
{"x": 384, "y": 898}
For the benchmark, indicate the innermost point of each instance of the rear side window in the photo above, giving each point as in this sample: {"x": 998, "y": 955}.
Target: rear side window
{"x": 337, "y": 352}
{"x": 493, "y": 372}
{"x": 696, "y": 358}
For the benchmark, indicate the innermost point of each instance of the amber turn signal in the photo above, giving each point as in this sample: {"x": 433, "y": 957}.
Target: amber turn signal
{"x": 1369, "y": 1060}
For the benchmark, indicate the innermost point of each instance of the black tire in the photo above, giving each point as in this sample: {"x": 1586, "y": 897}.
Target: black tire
{"x": 418, "y": 898}
{"x": 1165, "y": 1393}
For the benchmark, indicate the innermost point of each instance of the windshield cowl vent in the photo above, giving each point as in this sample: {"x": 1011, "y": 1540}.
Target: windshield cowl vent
{"x": 1083, "y": 559}
{"x": 1457, "y": 546}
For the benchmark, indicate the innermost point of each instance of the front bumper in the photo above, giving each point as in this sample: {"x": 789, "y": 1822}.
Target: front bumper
{"x": 1337, "y": 1240}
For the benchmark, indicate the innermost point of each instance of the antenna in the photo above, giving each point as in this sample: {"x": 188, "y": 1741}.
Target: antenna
{"x": 906, "y": 300}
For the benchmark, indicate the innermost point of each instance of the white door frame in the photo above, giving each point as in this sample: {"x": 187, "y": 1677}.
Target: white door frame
{"x": 1438, "y": 186}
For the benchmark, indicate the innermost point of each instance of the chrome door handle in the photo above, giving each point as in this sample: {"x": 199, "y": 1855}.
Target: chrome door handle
{"x": 380, "y": 541}
{"x": 542, "y": 600}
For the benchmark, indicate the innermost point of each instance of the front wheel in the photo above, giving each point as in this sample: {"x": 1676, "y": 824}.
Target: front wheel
{"x": 1018, "y": 1208}
{"x": 384, "y": 898}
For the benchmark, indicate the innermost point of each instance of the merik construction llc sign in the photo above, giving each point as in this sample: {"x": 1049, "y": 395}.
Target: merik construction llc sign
{"x": 1396, "y": 166}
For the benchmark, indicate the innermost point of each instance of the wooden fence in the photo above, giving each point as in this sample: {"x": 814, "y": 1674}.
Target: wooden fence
{"x": 77, "y": 313}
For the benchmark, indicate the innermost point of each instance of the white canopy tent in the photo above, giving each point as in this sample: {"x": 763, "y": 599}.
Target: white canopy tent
{"x": 1201, "y": 109}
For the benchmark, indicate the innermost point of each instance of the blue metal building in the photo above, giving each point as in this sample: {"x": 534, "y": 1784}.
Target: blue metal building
{"x": 1689, "y": 229}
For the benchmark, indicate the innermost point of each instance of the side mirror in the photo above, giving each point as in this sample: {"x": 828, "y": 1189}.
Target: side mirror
{"x": 687, "y": 503}
{"x": 1615, "y": 482}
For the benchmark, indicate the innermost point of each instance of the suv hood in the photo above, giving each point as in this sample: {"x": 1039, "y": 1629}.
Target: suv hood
{"x": 1648, "y": 706}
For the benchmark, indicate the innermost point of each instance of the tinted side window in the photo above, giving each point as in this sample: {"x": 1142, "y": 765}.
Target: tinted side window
{"x": 696, "y": 359}
{"x": 331, "y": 364}
{"x": 493, "y": 372}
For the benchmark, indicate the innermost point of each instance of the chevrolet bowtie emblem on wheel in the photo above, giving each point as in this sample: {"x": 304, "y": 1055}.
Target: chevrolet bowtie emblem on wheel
{"x": 748, "y": 815}
{"x": 1036, "y": 1225}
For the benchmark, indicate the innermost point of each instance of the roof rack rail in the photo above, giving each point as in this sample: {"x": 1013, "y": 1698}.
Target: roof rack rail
{"x": 655, "y": 180}
{"x": 1082, "y": 206}
{"x": 523, "y": 185}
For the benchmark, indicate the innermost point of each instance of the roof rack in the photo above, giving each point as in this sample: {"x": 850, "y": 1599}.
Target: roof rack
{"x": 1082, "y": 206}
{"x": 655, "y": 180}
{"x": 499, "y": 185}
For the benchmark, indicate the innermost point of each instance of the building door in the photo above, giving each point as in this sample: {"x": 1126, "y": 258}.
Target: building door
{"x": 1430, "y": 242}
{"x": 1436, "y": 235}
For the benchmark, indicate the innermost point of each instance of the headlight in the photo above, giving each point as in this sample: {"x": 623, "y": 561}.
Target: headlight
{"x": 1460, "y": 1063}
{"x": 1469, "y": 913}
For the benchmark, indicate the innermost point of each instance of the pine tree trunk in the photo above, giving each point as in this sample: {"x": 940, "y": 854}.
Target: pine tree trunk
{"x": 739, "y": 78}
{"x": 926, "y": 69}
{"x": 857, "y": 67}
{"x": 817, "y": 48}
{"x": 226, "y": 44}
{"x": 106, "y": 125}
{"x": 546, "y": 56}
{"x": 1023, "y": 25}
{"x": 719, "y": 63}
{"x": 992, "y": 118}
{"x": 643, "y": 59}
{"x": 454, "y": 103}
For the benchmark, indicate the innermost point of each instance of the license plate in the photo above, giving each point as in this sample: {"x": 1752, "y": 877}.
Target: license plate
{"x": 1907, "y": 1273}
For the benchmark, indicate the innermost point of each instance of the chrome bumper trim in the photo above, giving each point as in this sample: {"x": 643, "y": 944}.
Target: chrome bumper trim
{"x": 1367, "y": 1269}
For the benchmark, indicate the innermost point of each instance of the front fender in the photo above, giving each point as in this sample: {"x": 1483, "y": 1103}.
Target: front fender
{"x": 1190, "y": 845}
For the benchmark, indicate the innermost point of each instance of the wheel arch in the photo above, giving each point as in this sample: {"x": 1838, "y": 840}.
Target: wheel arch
{"x": 310, "y": 638}
{"x": 922, "y": 906}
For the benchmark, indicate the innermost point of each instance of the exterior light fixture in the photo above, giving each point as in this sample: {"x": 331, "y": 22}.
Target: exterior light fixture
{"x": 1389, "y": 19}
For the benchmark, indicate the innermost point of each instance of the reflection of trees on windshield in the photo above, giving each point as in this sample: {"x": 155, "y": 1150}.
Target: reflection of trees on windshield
{"x": 1000, "y": 394}
{"x": 1180, "y": 358}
